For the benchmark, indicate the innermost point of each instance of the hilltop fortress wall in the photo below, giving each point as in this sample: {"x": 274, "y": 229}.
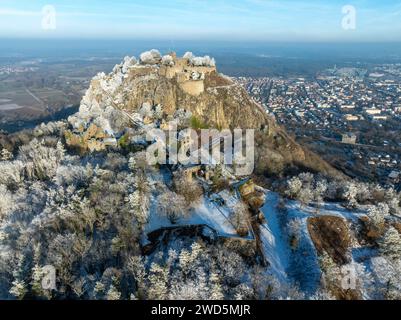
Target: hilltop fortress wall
{"x": 189, "y": 78}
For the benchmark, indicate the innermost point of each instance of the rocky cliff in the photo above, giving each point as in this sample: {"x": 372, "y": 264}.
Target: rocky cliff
{"x": 191, "y": 84}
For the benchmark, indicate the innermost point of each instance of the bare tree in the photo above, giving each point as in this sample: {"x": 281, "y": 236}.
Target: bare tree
{"x": 172, "y": 205}
{"x": 190, "y": 190}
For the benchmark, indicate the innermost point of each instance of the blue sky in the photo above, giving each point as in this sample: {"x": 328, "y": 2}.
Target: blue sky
{"x": 277, "y": 20}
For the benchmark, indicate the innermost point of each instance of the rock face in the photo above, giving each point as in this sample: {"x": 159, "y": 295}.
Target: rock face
{"x": 215, "y": 100}
{"x": 191, "y": 84}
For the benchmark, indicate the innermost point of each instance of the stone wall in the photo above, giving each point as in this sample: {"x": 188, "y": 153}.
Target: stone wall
{"x": 182, "y": 72}
{"x": 193, "y": 87}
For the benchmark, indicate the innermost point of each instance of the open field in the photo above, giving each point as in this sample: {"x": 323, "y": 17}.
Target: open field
{"x": 50, "y": 88}
{"x": 10, "y": 106}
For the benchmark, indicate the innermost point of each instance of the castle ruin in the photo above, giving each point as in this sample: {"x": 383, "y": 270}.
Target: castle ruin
{"x": 190, "y": 78}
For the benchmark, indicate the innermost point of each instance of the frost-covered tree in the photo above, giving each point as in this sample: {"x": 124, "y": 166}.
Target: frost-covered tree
{"x": 190, "y": 190}
{"x": 5, "y": 155}
{"x": 377, "y": 218}
{"x": 40, "y": 161}
{"x": 332, "y": 273}
{"x": 139, "y": 200}
{"x": 186, "y": 290}
{"x": 113, "y": 293}
{"x": 146, "y": 110}
{"x": 132, "y": 163}
{"x": 150, "y": 57}
{"x": 349, "y": 194}
{"x": 172, "y": 206}
{"x": 393, "y": 199}
{"x": 305, "y": 188}
{"x": 115, "y": 162}
{"x": 232, "y": 266}
{"x": 364, "y": 280}
{"x": 322, "y": 295}
{"x": 158, "y": 112}
{"x": 363, "y": 193}
{"x": 392, "y": 289}
{"x": 306, "y": 177}
{"x": 186, "y": 260}
{"x": 334, "y": 190}
{"x": 158, "y": 278}
{"x": 305, "y": 196}
{"x": 139, "y": 208}
{"x": 127, "y": 63}
{"x": 75, "y": 175}
{"x": 216, "y": 289}
{"x": 12, "y": 173}
{"x": 394, "y": 206}
{"x": 243, "y": 292}
{"x": 138, "y": 162}
{"x": 387, "y": 284}
{"x": 64, "y": 251}
{"x": 205, "y": 61}
{"x": 18, "y": 289}
{"x": 193, "y": 287}
{"x": 319, "y": 192}
{"x": 99, "y": 288}
{"x": 390, "y": 244}
{"x": 136, "y": 265}
{"x": 38, "y": 274}
{"x": 78, "y": 286}
{"x": 168, "y": 60}
{"x": 294, "y": 186}
{"x": 6, "y": 202}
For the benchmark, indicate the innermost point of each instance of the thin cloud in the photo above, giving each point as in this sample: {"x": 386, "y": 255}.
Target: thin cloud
{"x": 24, "y": 13}
{"x": 18, "y": 13}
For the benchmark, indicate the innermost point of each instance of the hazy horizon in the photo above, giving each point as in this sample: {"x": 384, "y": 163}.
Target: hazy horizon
{"x": 79, "y": 48}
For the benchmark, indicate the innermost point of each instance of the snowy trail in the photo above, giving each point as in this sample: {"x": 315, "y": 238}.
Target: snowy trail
{"x": 275, "y": 245}
{"x": 304, "y": 266}
{"x": 208, "y": 213}
{"x": 299, "y": 266}
{"x": 326, "y": 209}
